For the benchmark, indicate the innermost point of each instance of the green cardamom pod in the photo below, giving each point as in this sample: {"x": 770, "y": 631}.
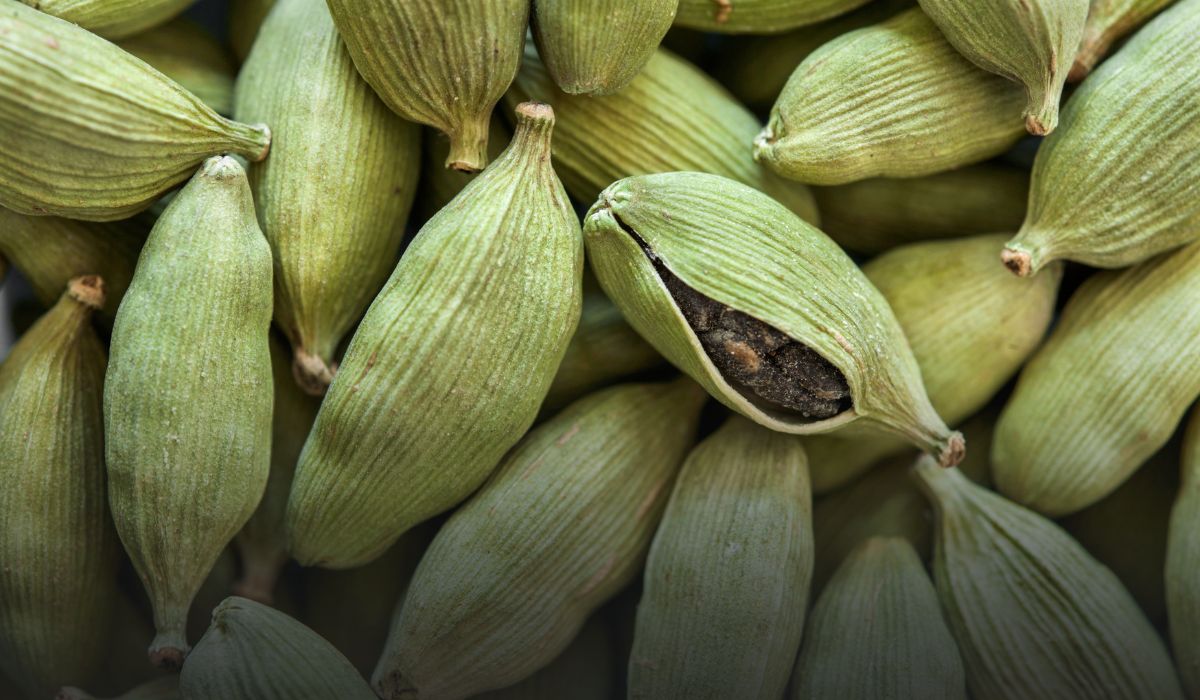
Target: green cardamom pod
{"x": 1183, "y": 564}
{"x": 595, "y": 47}
{"x": 1108, "y": 22}
{"x": 448, "y": 368}
{"x": 253, "y": 652}
{"x": 334, "y": 199}
{"x": 438, "y": 63}
{"x": 770, "y": 316}
{"x": 585, "y": 671}
{"x": 60, "y": 554}
{"x": 892, "y": 100}
{"x": 1097, "y": 400}
{"x": 728, "y": 574}
{"x": 164, "y": 688}
{"x": 1116, "y": 185}
{"x": 184, "y": 52}
{"x": 188, "y": 397}
{"x": 562, "y": 526}
{"x": 875, "y": 215}
{"x": 759, "y": 16}
{"x": 877, "y": 632}
{"x": 439, "y": 184}
{"x": 113, "y": 19}
{"x": 1034, "y": 615}
{"x": 672, "y": 117}
{"x": 245, "y": 19}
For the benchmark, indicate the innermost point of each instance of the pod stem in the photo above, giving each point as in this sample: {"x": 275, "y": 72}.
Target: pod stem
{"x": 1019, "y": 261}
{"x": 534, "y": 129}
{"x": 313, "y": 374}
{"x": 168, "y": 649}
{"x": 251, "y": 141}
{"x": 88, "y": 290}
{"x": 468, "y": 144}
{"x": 1041, "y": 114}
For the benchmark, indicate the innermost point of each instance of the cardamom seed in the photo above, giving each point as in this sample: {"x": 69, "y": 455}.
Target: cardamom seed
{"x": 759, "y": 16}
{"x": 1183, "y": 560}
{"x": 1108, "y": 22}
{"x": 113, "y": 19}
{"x": 245, "y": 19}
{"x": 187, "y": 54}
{"x": 585, "y": 671}
{"x": 164, "y": 688}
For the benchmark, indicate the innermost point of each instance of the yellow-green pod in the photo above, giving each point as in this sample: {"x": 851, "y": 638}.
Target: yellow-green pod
{"x": 113, "y": 19}
{"x": 334, "y": 198}
{"x": 585, "y": 671}
{"x": 727, "y": 578}
{"x": 1116, "y": 185}
{"x": 439, "y": 184}
{"x": 892, "y": 100}
{"x": 759, "y": 16}
{"x": 1108, "y": 22}
{"x": 561, "y": 527}
{"x": 877, "y": 632}
{"x": 188, "y": 397}
{"x": 448, "y": 368}
{"x": 1034, "y": 615}
{"x": 184, "y": 52}
{"x": 164, "y": 688}
{"x": 1107, "y": 389}
{"x": 60, "y": 554}
{"x": 245, "y": 19}
{"x": 671, "y": 117}
{"x": 763, "y": 310}
{"x": 1183, "y": 564}
{"x": 88, "y": 131}
{"x": 440, "y": 63}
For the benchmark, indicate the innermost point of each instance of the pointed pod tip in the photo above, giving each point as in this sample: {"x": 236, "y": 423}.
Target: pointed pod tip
{"x": 1019, "y": 262}
{"x": 87, "y": 290}
{"x": 535, "y": 111}
{"x": 222, "y": 168}
{"x": 1038, "y": 126}
{"x": 953, "y": 451}
{"x": 312, "y": 373}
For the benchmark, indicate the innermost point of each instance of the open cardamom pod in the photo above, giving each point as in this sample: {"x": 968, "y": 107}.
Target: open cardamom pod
{"x": 1183, "y": 564}
{"x": 1097, "y": 400}
{"x": 58, "y": 583}
{"x": 760, "y": 308}
{"x": 334, "y": 200}
{"x": 184, "y": 52}
{"x": 1034, "y": 615}
{"x": 254, "y": 652}
{"x": 188, "y": 395}
{"x": 758, "y": 16}
{"x": 245, "y": 19}
{"x": 585, "y": 671}
{"x": 451, "y": 362}
{"x": 891, "y": 100}
{"x": 113, "y": 19}
{"x": 109, "y": 132}
{"x": 877, "y": 632}
{"x": 1117, "y": 184}
{"x": 727, "y": 578}
{"x": 563, "y": 525}
{"x": 164, "y": 688}
{"x": 1108, "y": 22}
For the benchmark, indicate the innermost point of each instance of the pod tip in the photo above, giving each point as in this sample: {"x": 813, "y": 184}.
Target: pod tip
{"x": 87, "y": 290}
{"x": 167, "y": 657}
{"x": 1038, "y": 126}
{"x": 954, "y": 451}
{"x": 537, "y": 111}
{"x": 1019, "y": 262}
{"x": 312, "y": 373}
{"x": 266, "y": 149}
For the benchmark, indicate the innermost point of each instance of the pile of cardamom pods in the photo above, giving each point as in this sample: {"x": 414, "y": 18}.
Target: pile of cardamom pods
{"x": 597, "y": 349}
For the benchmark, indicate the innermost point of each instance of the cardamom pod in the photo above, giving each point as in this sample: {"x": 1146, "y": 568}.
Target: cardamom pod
{"x": 562, "y": 526}
{"x": 1117, "y": 184}
{"x": 759, "y": 16}
{"x": 245, "y": 19}
{"x": 448, "y": 368}
{"x": 585, "y": 671}
{"x": 873, "y": 216}
{"x": 253, "y": 652}
{"x": 877, "y": 632}
{"x": 88, "y": 131}
{"x": 1097, "y": 400}
{"x": 187, "y": 54}
{"x": 113, "y": 19}
{"x": 1183, "y": 564}
{"x": 1034, "y": 615}
{"x": 442, "y": 64}
{"x": 187, "y": 397}
{"x": 164, "y": 688}
{"x": 892, "y": 100}
{"x": 60, "y": 554}
{"x": 1108, "y": 22}
{"x": 334, "y": 200}
{"x": 728, "y": 573}
{"x": 440, "y": 185}
{"x": 768, "y": 315}
{"x": 597, "y": 48}
{"x": 671, "y": 117}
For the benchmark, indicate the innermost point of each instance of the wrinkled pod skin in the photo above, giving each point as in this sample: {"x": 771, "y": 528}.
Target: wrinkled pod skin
{"x": 449, "y": 366}
{"x": 188, "y": 396}
{"x": 585, "y": 671}
{"x": 1183, "y": 564}
{"x": 1108, "y": 22}
{"x": 184, "y": 52}
{"x": 113, "y": 19}
{"x": 759, "y": 16}
{"x": 438, "y": 184}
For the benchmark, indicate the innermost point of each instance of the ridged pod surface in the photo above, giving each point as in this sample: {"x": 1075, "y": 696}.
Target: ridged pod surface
{"x": 164, "y": 688}
{"x": 448, "y": 368}
{"x": 892, "y": 100}
{"x": 245, "y": 19}
{"x": 730, "y": 244}
{"x": 334, "y": 197}
{"x": 60, "y": 554}
{"x": 1120, "y": 181}
{"x": 671, "y": 117}
{"x": 1108, "y": 22}
{"x": 728, "y": 574}
{"x": 439, "y": 185}
{"x": 1107, "y": 389}
{"x": 877, "y": 632}
{"x": 254, "y": 652}
{"x": 759, "y": 16}
{"x": 187, "y": 54}
{"x": 1034, "y": 614}
{"x": 585, "y": 671}
{"x": 442, "y": 63}
{"x": 88, "y": 131}
{"x": 1183, "y": 564}
{"x": 562, "y": 526}
{"x": 113, "y": 19}
{"x": 188, "y": 397}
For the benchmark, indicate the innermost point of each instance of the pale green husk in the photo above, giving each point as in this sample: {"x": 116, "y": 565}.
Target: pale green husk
{"x": 165, "y": 688}
{"x": 759, "y": 16}
{"x": 585, "y": 671}
{"x": 1183, "y": 564}
{"x": 1108, "y": 22}
{"x": 113, "y": 19}
{"x": 190, "y": 56}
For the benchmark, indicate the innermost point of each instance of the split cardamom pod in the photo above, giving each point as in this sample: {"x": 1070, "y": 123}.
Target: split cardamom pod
{"x": 448, "y": 368}
{"x": 185, "y": 53}
{"x": 245, "y": 19}
{"x": 1117, "y": 185}
{"x": 562, "y": 526}
{"x": 188, "y": 396}
{"x": 334, "y": 200}
{"x": 60, "y": 554}
{"x": 877, "y": 632}
{"x": 254, "y": 652}
{"x": 438, "y": 63}
{"x": 891, "y": 100}
{"x": 164, "y": 688}
{"x": 1183, "y": 564}
{"x": 438, "y": 184}
{"x": 671, "y": 117}
{"x": 758, "y": 16}
{"x": 728, "y": 574}
{"x": 113, "y": 19}
{"x": 1097, "y": 400}
{"x": 585, "y": 671}
{"x": 1108, "y": 22}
